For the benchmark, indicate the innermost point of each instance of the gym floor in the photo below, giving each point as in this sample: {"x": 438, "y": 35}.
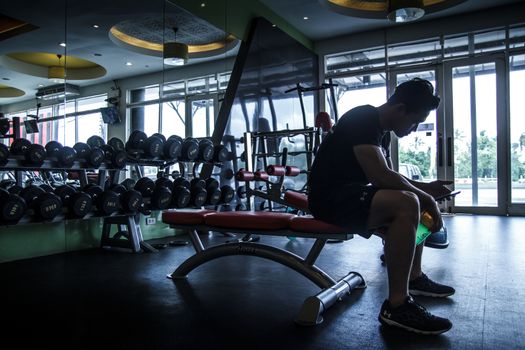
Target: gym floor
{"x": 105, "y": 298}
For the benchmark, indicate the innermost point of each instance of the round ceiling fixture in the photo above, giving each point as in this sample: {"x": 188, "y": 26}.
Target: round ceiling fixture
{"x": 8, "y": 91}
{"x": 394, "y": 10}
{"x": 52, "y": 66}
{"x": 172, "y": 37}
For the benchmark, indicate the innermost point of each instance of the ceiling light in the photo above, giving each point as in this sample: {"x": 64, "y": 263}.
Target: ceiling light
{"x": 400, "y": 11}
{"x": 57, "y": 74}
{"x": 203, "y": 4}
{"x": 175, "y": 53}
{"x": 62, "y": 44}
{"x": 40, "y": 85}
{"x": 95, "y": 25}
{"x": 129, "y": 64}
{"x": 305, "y": 18}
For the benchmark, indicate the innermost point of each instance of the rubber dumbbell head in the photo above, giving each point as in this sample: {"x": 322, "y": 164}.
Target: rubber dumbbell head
{"x": 129, "y": 184}
{"x": 117, "y": 144}
{"x": 95, "y": 141}
{"x": 153, "y": 146}
{"x": 115, "y": 158}
{"x": 12, "y": 207}
{"x": 145, "y": 186}
{"x": 172, "y": 148}
{"x": 79, "y": 203}
{"x": 164, "y": 182}
{"x": 161, "y": 198}
{"x": 136, "y": 140}
{"x": 205, "y": 150}
{"x": 181, "y": 196}
{"x": 198, "y": 192}
{"x": 20, "y": 146}
{"x": 4, "y": 126}
{"x": 227, "y": 194}
{"x": 190, "y": 149}
{"x": 35, "y": 155}
{"x": 221, "y": 153}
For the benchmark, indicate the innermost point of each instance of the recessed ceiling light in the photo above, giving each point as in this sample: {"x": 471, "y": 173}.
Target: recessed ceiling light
{"x": 274, "y": 25}
{"x": 40, "y": 85}
{"x": 97, "y": 54}
{"x": 62, "y": 44}
{"x": 129, "y": 64}
{"x": 305, "y": 17}
{"x": 203, "y": 4}
{"x": 95, "y": 25}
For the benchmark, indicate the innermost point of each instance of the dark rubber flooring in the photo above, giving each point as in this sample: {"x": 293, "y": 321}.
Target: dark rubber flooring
{"x": 106, "y": 299}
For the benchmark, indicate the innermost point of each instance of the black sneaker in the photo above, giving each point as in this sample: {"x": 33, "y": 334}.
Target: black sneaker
{"x": 412, "y": 317}
{"x": 424, "y": 286}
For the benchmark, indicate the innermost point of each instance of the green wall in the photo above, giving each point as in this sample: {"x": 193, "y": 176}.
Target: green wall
{"x": 25, "y": 241}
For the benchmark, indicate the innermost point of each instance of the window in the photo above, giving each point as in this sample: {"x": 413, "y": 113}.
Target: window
{"x": 414, "y": 53}
{"x": 355, "y": 61}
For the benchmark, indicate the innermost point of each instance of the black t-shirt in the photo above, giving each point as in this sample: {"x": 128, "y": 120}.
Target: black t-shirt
{"x": 335, "y": 163}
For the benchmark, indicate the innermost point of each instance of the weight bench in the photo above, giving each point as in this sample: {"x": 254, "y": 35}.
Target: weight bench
{"x": 274, "y": 224}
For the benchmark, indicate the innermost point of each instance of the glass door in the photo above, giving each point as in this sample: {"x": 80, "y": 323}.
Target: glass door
{"x": 473, "y": 147}
{"x": 415, "y": 154}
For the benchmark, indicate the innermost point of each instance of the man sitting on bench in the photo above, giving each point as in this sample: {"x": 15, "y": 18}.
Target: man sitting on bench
{"x": 352, "y": 185}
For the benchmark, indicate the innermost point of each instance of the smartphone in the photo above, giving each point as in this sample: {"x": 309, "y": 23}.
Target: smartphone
{"x": 448, "y": 195}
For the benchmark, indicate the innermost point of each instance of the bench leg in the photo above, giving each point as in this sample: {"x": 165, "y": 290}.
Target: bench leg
{"x": 295, "y": 262}
{"x": 313, "y": 307}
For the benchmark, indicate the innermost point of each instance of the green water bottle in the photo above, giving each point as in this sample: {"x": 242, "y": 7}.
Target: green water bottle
{"x": 423, "y": 229}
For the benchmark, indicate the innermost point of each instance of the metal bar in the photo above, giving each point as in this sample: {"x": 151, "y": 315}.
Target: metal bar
{"x": 315, "y": 251}
{"x": 196, "y": 241}
{"x": 295, "y": 262}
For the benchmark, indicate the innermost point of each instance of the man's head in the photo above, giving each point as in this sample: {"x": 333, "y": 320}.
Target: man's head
{"x": 411, "y": 103}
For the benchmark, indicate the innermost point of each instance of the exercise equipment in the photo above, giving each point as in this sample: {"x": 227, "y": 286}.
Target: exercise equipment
{"x": 95, "y": 141}
{"x": 151, "y": 147}
{"x": 78, "y": 203}
{"x": 4, "y": 126}
{"x": 214, "y": 193}
{"x": 34, "y": 154}
{"x": 117, "y": 144}
{"x": 145, "y": 186}
{"x": 181, "y": 194}
{"x": 199, "y": 195}
{"x": 12, "y": 207}
{"x": 94, "y": 156}
{"x": 131, "y": 200}
{"x": 189, "y": 149}
{"x": 46, "y": 205}
{"x": 107, "y": 202}
{"x": 114, "y": 157}
{"x": 206, "y": 150}
{"x": 65, "y": 155}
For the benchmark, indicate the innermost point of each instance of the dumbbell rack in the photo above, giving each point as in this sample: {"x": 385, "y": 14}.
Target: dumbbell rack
{"x": 254, "y": 140}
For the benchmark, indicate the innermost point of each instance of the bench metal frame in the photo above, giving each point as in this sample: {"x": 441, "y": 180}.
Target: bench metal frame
{"x": 314, "y": 306}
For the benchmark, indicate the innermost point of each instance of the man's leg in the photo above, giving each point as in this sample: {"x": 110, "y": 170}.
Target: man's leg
{"x": 399, "y": 210}
{"x": 416, "y": 271}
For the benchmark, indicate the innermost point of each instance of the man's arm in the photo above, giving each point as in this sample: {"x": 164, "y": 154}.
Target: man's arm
{"x": 379, "y": 172}
{"x": 435, "y": 188}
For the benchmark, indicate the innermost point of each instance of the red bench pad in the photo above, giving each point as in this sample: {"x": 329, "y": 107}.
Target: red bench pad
{"x": 260, "y": 220}
{"x": 296, "y": 200}
{"x": 179, "y": 217}
{"x": 308, "y": 223}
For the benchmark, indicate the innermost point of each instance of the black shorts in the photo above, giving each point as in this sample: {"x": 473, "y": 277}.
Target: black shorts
{"x": 347, "y": 206}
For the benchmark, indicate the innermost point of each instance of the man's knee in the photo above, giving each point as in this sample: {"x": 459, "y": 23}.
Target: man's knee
{"x": 408, "y": 205}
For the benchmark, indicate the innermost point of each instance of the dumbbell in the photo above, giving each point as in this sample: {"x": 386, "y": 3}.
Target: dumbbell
{"x": 129, "y": 184}
{"x": 95, "y": 141}
{"x": 78, "y": 203}
{"x": 227, "y": 194}
{"x": 198, "y": 192}
{"x": 114, "y": 157}
{"x": 151, "y": 146}
{"x": 106, "y": 202}
{"x": 12, "y": 207}
{"x": 241, "y": 192}
{"x": 162, "y": 195}
{"x": 94, "y": 156}
{"x": 33, "y": 154}
{"x": 145, "y": 186}
{"x": 213, "y": 190}
{"x": 205, "y": 150}
{"x": 220, "y": 153}
{"x": 4, "y": 154}
{"x": 117, "y": 144}
{"x": 181, "y": 194}
{"x": 46, "y": 205}
{"x": 130, "y": 199}
{"x": 171, "y": 147}
{"x": 189, "y": 149}
{"x": 65, "y": 155}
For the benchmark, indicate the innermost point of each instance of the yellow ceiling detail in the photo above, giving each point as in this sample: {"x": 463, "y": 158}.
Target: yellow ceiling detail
{"x": 45, "y": 59}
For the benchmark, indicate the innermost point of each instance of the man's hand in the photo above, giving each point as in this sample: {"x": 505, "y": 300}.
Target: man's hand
{"x": 437, "y": 188}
